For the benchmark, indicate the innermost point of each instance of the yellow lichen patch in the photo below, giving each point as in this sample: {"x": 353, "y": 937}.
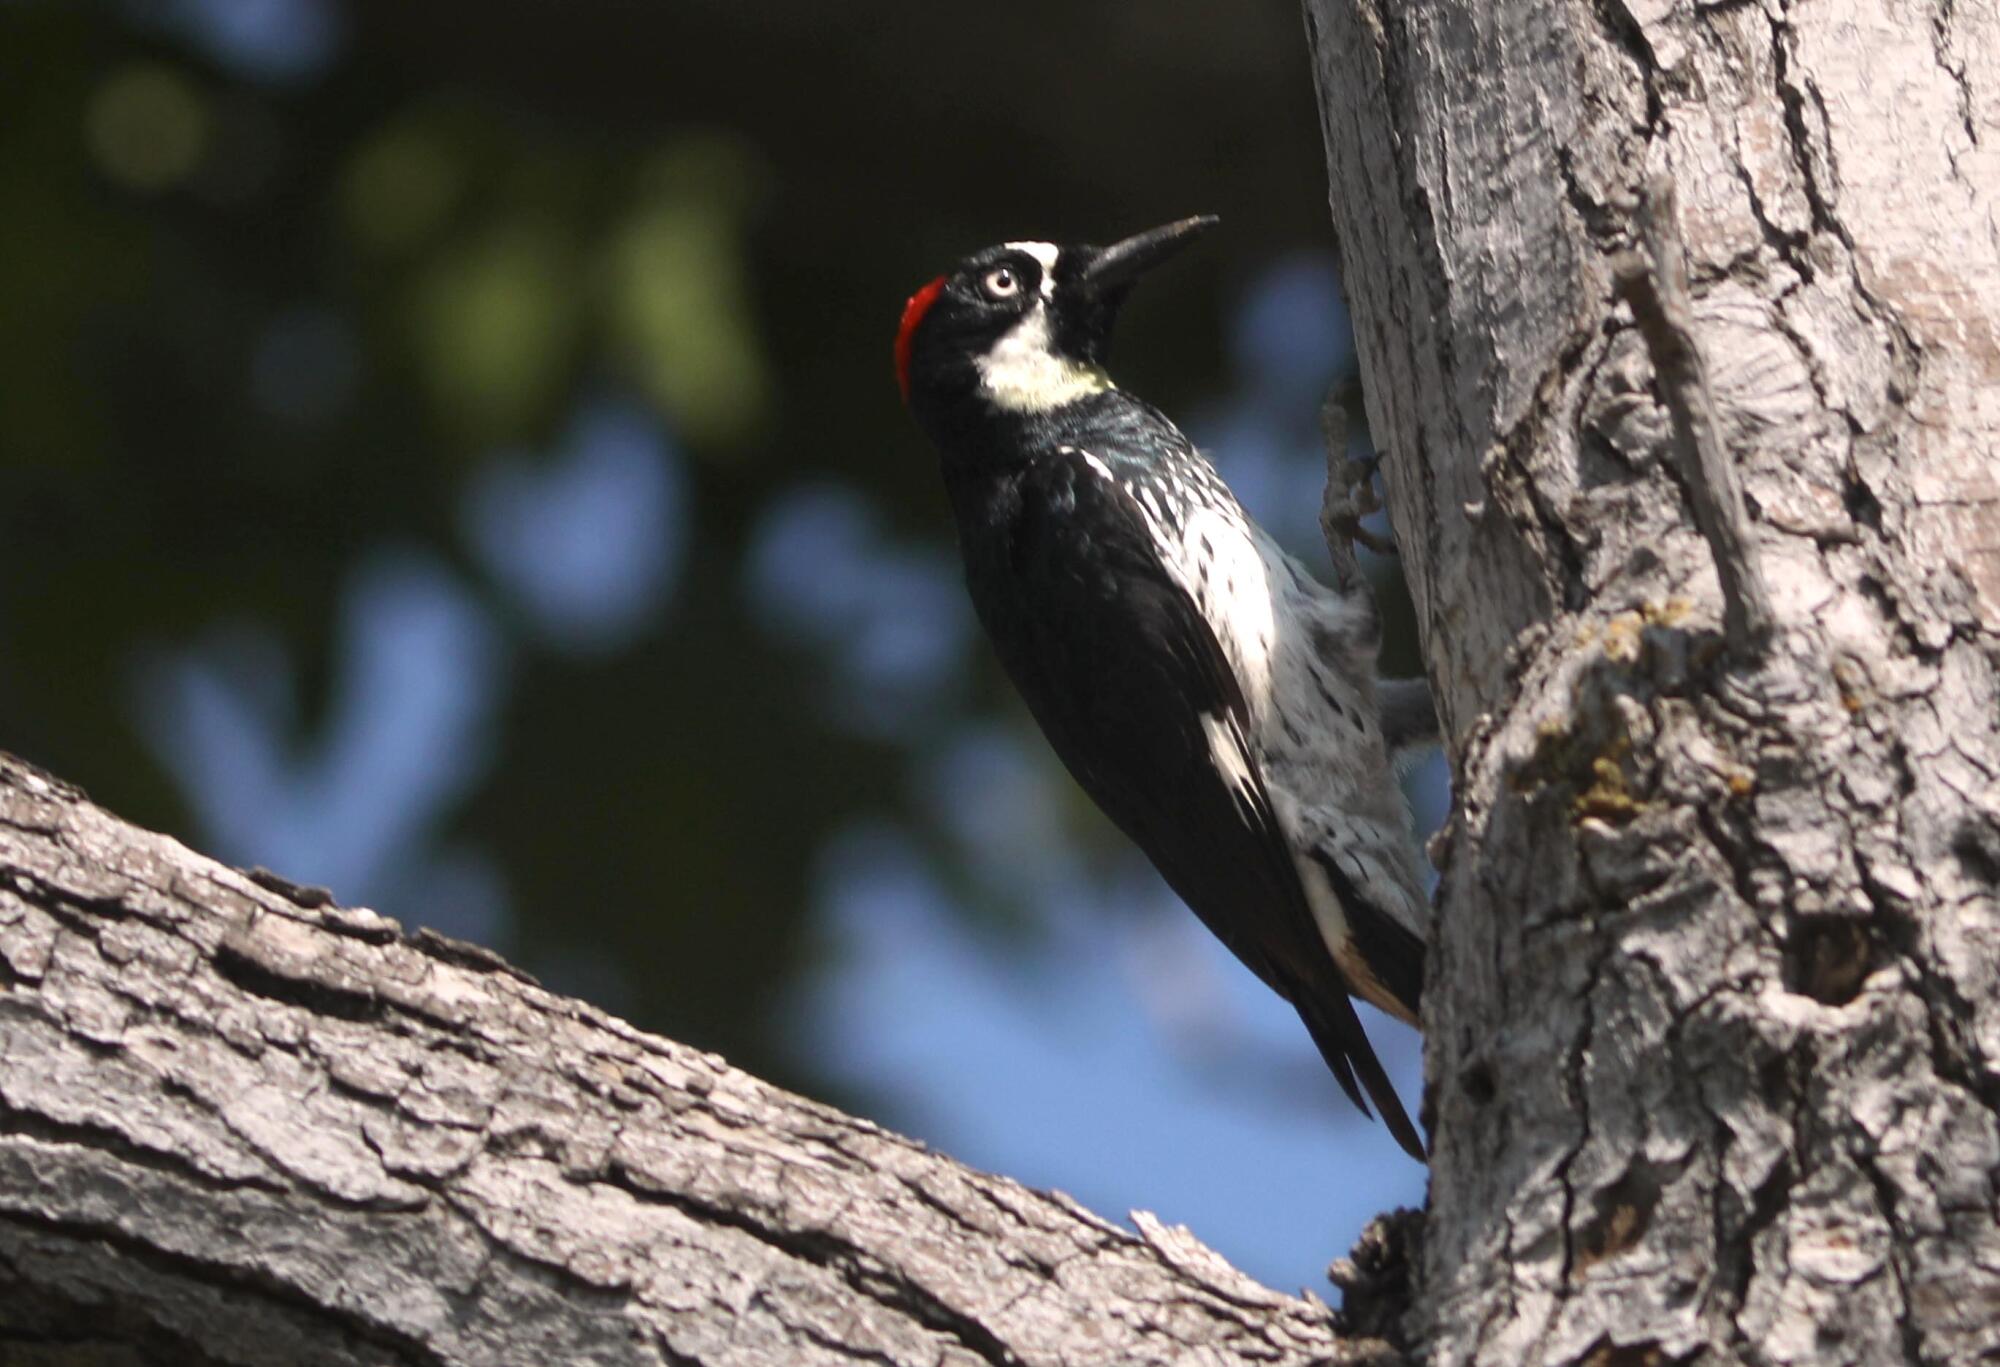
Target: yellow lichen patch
{"x": 1617, "y": 1231}
{"x": 1550, "y": 761}
{"x": 1621, "y": 637}
{"x": 1592, "y": 767}
{"x": 1854, "y": 683}
{"x": 1624, "y": 634}
{"x": 1672, "y": 613}
{"x": 1607, "y": 798}
{"x": 1626, "y": 1355}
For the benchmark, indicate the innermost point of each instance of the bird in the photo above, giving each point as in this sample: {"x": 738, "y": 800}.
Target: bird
{"x": 1216, "y": 700}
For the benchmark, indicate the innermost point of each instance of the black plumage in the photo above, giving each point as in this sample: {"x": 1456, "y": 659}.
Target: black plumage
{"x": 1088, "y": 524}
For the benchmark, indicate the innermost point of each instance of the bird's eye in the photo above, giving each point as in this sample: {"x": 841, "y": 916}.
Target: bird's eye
{"x": 1001, "y": 283}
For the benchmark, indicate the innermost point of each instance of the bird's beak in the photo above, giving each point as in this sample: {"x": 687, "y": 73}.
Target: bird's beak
{"x": 1119, "y": 264}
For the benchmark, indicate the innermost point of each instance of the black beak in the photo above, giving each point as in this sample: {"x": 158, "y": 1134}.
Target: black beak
{"x": 1119, "y": 264}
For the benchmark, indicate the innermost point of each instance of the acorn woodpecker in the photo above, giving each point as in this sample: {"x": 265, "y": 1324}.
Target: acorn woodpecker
{"x": 1214, "y": 698}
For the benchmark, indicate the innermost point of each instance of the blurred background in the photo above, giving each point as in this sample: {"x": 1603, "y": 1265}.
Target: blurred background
{"x": 451, "y": 454}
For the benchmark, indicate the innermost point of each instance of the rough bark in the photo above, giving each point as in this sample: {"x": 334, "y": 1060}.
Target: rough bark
{"x": 240, "y": 1124}
{"x": 1713, "y": 1015}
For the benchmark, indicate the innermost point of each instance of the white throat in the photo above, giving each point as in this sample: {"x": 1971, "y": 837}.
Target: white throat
{"x": 1023, "y": 373}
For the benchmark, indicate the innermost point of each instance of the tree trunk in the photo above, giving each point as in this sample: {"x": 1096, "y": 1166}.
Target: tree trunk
{"x": 239, "y": 1124}
{"x": 1681, "y": 331}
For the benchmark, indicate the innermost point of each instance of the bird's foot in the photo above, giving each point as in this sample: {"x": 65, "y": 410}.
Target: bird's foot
{"x": 1351, "y": 496}
{"x": 1350, "y": 482}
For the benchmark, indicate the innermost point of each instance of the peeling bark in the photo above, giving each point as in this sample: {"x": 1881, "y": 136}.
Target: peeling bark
{"x": 1713, "y": 1014}
{"x": 241, "y": 1124}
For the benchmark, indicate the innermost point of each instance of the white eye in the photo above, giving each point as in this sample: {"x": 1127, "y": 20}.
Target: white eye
{"x": 1001, "y": 283}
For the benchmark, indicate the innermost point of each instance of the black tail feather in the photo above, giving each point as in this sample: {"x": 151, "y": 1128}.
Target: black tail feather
{"x": 1330, "y": 1019}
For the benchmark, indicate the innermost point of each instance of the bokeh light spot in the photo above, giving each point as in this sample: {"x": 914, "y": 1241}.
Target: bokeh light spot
{"x": 146, "y": 125}
{"x": 400, "y": 187}
{"x": 587, "y": 544}
{"x": 272, "y": 40}
{"x": 892, "y": 619}
{"x": 680, "y": 298}
{"x": 495, "y": 321}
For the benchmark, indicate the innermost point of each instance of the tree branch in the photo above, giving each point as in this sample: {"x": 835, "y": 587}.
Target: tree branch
{"x": 240, "y": 1124}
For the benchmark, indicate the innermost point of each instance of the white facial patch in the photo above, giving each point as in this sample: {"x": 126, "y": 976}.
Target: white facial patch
{"x": 1045, "y": 253}
{"x": 1023, "y": 373}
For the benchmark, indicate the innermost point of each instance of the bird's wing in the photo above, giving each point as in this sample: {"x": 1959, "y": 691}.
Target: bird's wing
{"x": 1129, "y": 683}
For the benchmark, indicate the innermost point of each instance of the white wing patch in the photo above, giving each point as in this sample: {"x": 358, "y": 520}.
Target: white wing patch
{"x": 1096, "y": 466}
{"x": 1225, "y": 564}
{"x": 1226, "y": 752}
{"x": 1024, "y": 374}
{"x": 1219, "y": 560}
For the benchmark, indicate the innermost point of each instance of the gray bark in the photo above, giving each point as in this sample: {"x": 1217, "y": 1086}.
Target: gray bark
{"x": 1708, "y": 577}
{"x": 240, "y": 1124}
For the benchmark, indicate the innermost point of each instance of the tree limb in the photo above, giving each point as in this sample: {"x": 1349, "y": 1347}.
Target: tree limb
{"x": 241, "y": 1124}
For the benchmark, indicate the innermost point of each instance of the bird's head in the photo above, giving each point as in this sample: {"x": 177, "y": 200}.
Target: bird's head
{"x": 1021, "y": 328}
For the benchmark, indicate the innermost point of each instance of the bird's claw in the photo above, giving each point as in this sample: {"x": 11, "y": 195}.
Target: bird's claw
{"x": 1351, "y": 496}
{"x": 1350, "y": 483}
{"x": 1361, "y": 483}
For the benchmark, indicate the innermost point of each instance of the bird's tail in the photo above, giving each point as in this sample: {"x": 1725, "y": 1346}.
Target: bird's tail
{"x": 1330, "y": 1019}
